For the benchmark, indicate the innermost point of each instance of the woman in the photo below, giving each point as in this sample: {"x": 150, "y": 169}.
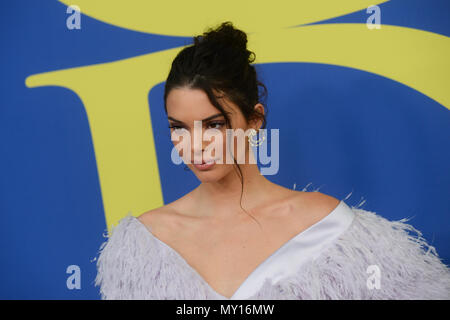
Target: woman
{"x": 285, "y": 244}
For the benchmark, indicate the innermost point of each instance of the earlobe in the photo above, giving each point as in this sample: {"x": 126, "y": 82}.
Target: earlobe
{"x": 258, "y": 120}
{"x": 259, "y": 108}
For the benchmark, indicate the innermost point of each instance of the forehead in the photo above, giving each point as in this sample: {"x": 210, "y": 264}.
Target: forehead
{"x": 185, "y": 103}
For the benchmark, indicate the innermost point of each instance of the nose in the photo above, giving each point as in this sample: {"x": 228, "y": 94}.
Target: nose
{"x": 198, "y": 145}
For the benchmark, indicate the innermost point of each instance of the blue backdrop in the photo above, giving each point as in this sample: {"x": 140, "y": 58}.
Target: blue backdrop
{"x": 356, "y": 132}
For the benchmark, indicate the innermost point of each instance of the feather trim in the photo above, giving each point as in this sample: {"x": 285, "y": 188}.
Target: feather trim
{"x": 133, "y": 265}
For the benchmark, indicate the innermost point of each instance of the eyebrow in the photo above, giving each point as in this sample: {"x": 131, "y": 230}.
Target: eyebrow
{"x": 206, "y": 119}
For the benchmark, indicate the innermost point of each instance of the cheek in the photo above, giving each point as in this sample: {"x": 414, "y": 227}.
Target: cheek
{"x": 219, "y": 145}
{"x": 182, "y": 147}
{"x": 178, "y": 145}
{"x": 240, "y": 148}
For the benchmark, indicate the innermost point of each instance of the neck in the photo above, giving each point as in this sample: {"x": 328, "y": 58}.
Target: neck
{"x": 221, "y": 199}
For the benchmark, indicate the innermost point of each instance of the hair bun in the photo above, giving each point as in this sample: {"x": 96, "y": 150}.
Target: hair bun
{"x": 226, "y": 40}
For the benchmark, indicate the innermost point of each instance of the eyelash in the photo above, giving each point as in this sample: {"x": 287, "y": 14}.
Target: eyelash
{"x": 211, "y": 123}
{"x": 217, "y": 123}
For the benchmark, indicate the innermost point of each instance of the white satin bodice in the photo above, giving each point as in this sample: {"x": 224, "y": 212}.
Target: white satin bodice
{"x": 302, "y": 248}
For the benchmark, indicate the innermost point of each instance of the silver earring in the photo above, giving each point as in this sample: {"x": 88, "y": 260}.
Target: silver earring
{"x": 251, "y": 139}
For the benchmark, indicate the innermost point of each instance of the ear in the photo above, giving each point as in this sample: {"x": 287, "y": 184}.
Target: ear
{"x": 257, "y": 122}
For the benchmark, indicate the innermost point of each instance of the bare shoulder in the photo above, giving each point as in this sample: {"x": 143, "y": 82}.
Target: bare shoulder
{"x": 166, "y": 217}
{"x": 316, "y": 204}
{"x": 300, "y": 211}
{"x": 153, "y": 214}
{"x": 158, "y": 218}
{"x": 322, "y": 201}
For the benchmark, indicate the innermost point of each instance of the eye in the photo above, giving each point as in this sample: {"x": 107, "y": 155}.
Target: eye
{"x": 177, "y": 129}
{"x": 219, "y": 124}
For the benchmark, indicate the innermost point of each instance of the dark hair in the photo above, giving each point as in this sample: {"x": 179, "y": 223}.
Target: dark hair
{"x": 219, "y": 63}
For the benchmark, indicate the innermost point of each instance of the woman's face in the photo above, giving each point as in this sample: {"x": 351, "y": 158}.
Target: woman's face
{"x": 184, "y": 106}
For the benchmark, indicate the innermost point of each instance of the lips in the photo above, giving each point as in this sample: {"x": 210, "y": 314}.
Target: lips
{"x": 206, "y": 164}
{"x": 205, "y": 161}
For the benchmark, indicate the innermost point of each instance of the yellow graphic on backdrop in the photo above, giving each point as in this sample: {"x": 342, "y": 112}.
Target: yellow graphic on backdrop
{"x": 115, "y": 94}
{"x": 188, "y": 18}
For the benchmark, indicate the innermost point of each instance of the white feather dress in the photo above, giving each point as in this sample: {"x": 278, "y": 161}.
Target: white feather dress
{"x": 350, "y": 254}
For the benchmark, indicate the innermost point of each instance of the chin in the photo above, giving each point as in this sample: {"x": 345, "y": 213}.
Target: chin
{"x": 213, "y": 175}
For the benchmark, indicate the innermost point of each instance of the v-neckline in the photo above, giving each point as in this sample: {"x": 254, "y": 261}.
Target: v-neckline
{"x": 265, "y": 261}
